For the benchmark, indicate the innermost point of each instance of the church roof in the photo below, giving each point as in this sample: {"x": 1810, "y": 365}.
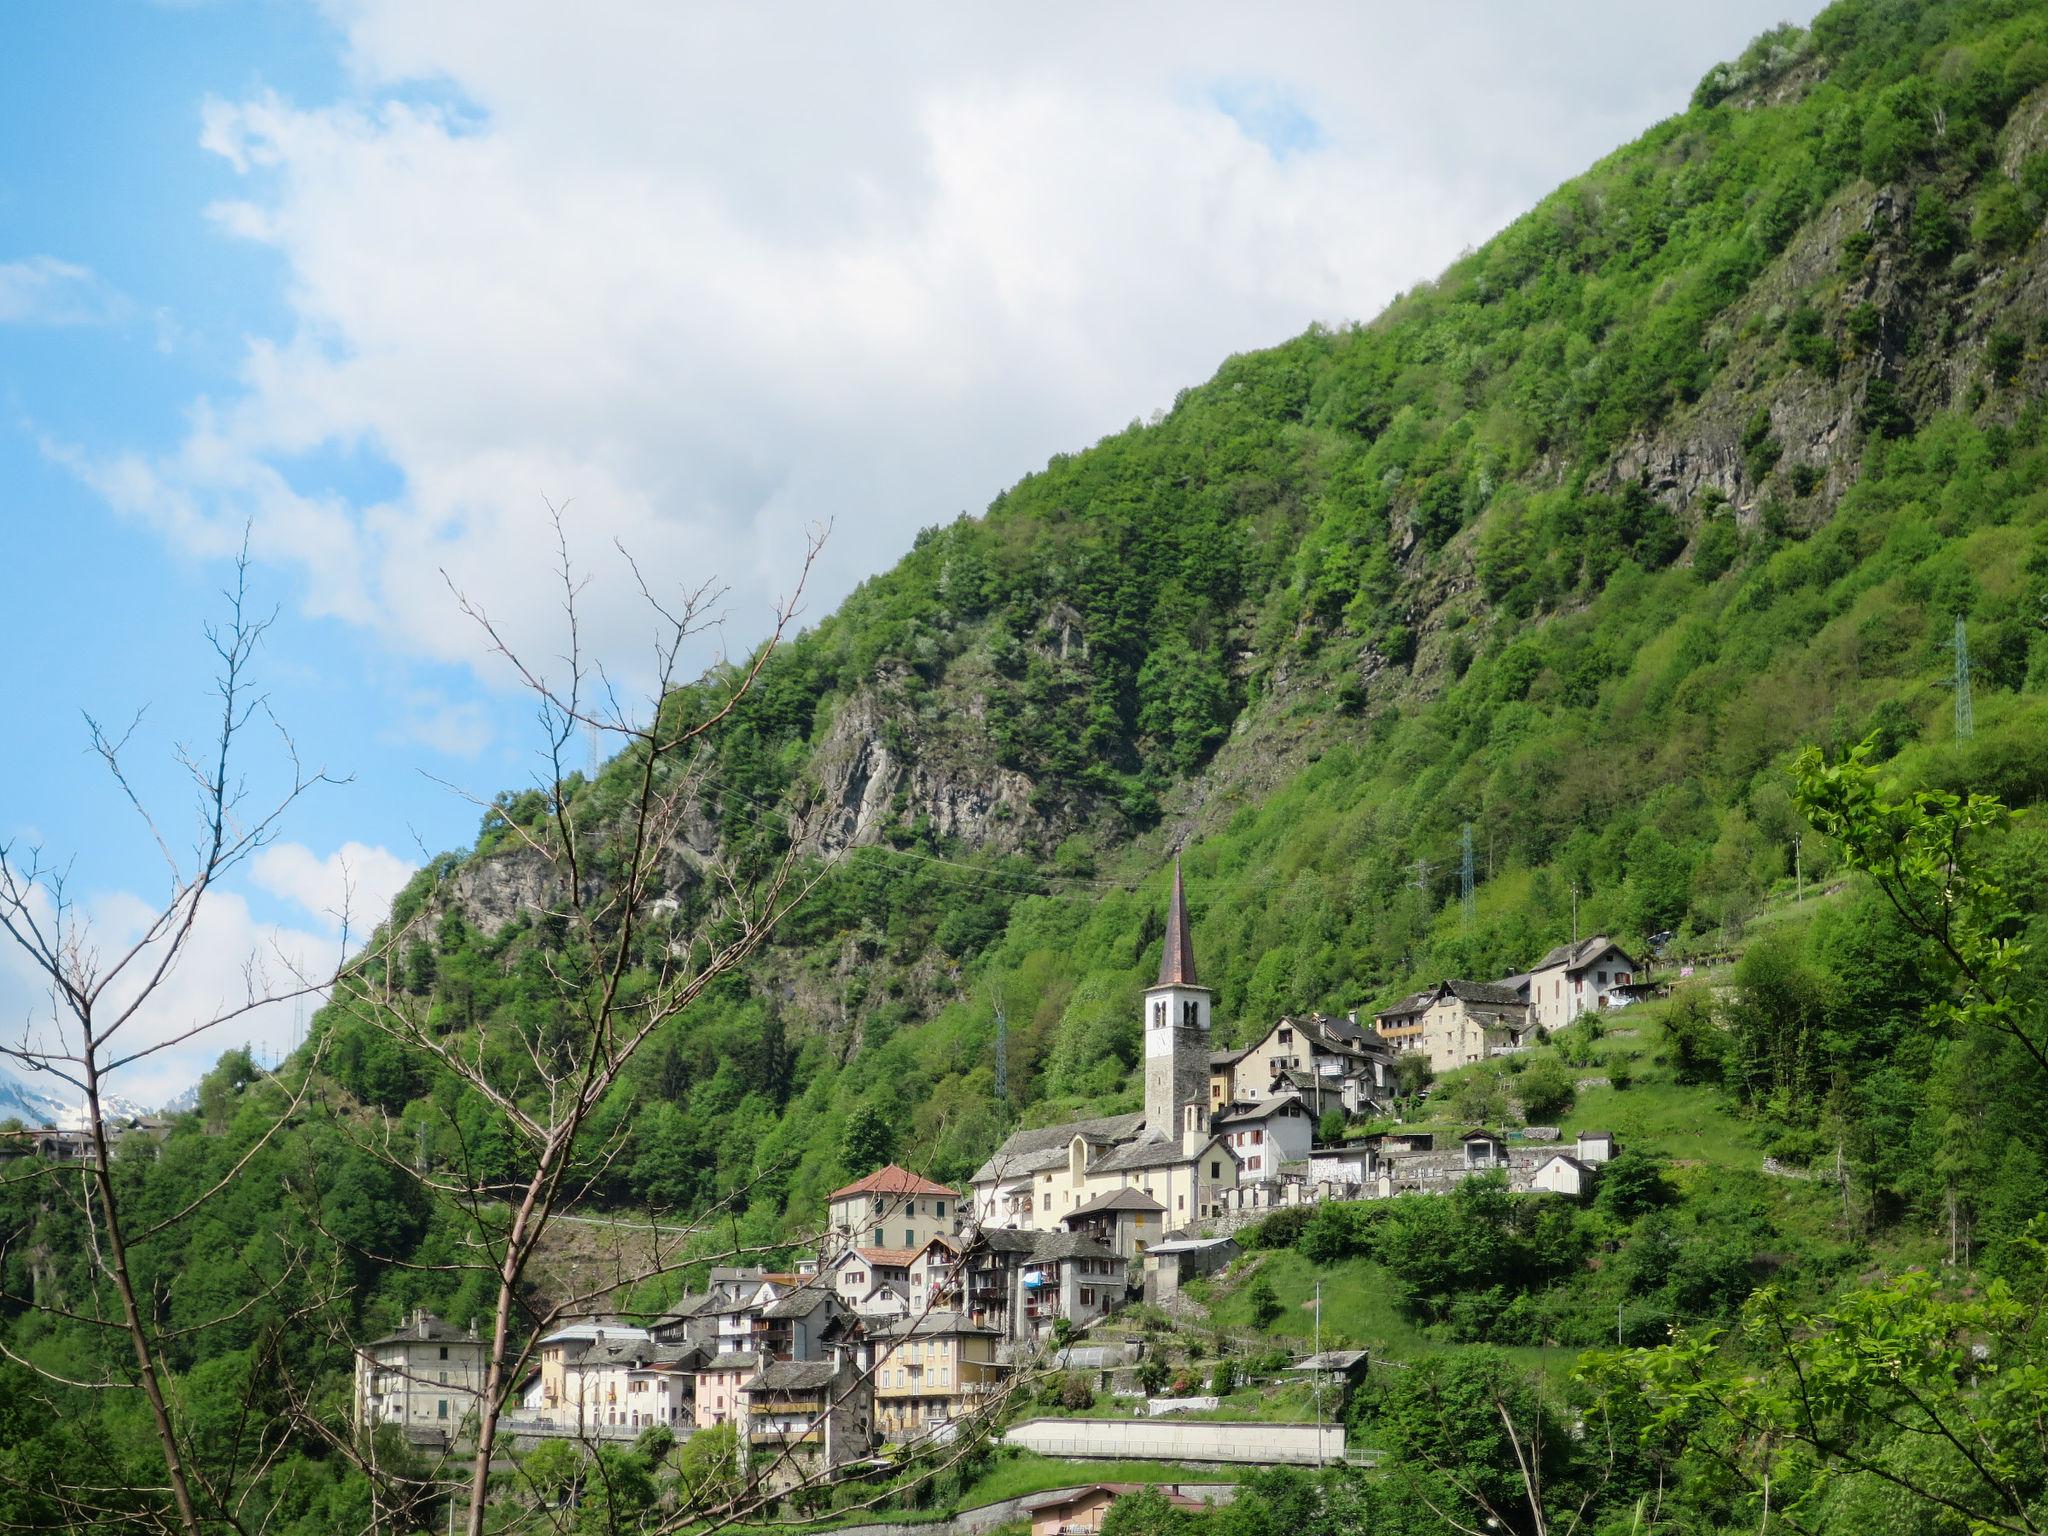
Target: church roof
{"x": 1177, "y": 957}
{"x": 1117, "y": 1200}
{"x": 1035, "y": 1151}
{"x": 1148, "y": 1152}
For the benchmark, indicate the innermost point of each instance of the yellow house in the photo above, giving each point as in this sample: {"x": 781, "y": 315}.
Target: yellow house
{"x": 930, "y": 1370}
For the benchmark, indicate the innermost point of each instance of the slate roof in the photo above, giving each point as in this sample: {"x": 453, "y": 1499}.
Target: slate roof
{"x": 423, "y": 1327}
{"x": 1117, "y": 1200}
{"x": 1035, "y": 1151}
{"x": 1483, "y": 992}
{"x": 640, "y": 1353}
{"x": 893, "y": 1180}
{"x": 1263, "y": 1109}
{"x": 1151, "y": 1152}
{"x": 1003, "y": 1240}
{"x": 931, "y": 1325}
{"x": 793, "y": 1376}
{"x": 1414, "y": 1002}
{"x": 1048, "y": 1246}
{"x": 801, "y": 1302}
{"x": 1577, "y": 956}
{"x": 738, "y": 1360}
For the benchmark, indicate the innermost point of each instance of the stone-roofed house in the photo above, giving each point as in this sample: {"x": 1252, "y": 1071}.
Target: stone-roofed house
{"x": 1067, "y": 1275}
{"x": 689, "y": 1321}
{"x": 1577, "y": 978}
{"x": 1456, "y": 1023}
{"x": 1266, "y": 1133}
{"x": 893, "y": 1208}
{"x": 426, "y": 1377}
{"x": 812, "y": 1415}
{"x": 1340, "y": 1060}
{"x": 804, "y": 1324}
{"x": 1038, "y": 1178}
{"x": 865, "y": 1277}
{"x": 719, "y": 1380}
{"x": 1126, "y": 1221}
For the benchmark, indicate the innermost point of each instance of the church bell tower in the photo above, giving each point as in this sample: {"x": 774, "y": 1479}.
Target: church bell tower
{"x": 1176, "y": 1028}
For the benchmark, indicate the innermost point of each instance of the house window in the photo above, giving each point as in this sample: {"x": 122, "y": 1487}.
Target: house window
{"x": 1215, "y": 1168}
{"x": 878, "y": 1237}
{"x": 1181, "y": 1202}
{"x": 1286, "y": 1037}
{"x": 939, "y": 1209}
{"x": 909, "y": 1238}
{"x": 444, "y": 1408}
{"x": 444, "y": 1351}
{"x": 1159, "y": 1014}
{"x": 1258, "y": 1136}
{"x": 1045, "y": 1202}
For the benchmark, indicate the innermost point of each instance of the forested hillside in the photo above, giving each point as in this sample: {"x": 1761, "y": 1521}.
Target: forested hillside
{"x": 1696, "y": 465}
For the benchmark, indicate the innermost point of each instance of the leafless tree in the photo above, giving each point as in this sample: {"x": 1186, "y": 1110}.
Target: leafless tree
{"x": 640, "y": 929}
{"x": 105, "y": 1001}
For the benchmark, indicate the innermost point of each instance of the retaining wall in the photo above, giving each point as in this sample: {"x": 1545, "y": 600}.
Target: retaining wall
{"x": 1194, "y": 1440}
{"x": 986, "y": 1517}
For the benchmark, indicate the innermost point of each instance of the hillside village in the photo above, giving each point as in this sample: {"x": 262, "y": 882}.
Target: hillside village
{"x": 924, "y": 1302}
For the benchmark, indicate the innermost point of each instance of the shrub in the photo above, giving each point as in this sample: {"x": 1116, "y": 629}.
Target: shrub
{"x": 1265, "y": 1306}
{"x": 1223, "y": 1380}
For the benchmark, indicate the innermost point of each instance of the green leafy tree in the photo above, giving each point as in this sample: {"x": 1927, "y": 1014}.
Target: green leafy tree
{"x": 1264, "y": 1305}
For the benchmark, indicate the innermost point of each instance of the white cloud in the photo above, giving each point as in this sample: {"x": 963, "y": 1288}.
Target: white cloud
{"x": 355, "y": 882}
{"x": 42, "y": 290}
{"x": 713, "y": 273}
{"x": 230, "y": 958}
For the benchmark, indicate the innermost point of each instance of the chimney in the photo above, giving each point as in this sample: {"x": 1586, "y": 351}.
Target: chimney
{"x": 419, "y": 1321}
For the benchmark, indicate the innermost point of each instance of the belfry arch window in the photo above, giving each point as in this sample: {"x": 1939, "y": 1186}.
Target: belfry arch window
{"x": 1159, "y": 1014}
{"x": 1191, "y": 1013}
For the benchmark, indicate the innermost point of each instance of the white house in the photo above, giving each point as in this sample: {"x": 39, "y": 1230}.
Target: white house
{"x": 1266, "y": 1133}
{"x": 427, "y": 1376}
{"x": 1561, "y": 1174}
{"x": 1578, "y": 978}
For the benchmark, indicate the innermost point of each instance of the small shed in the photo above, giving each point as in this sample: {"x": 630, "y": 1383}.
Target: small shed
{"x": 1171, "y": 1264}
{"x": 1343, "y": 1369}
{"x": 1596, "y": 1146}
{"x": 1483, "y": 1149}
{"x": 1561, "y": 1174}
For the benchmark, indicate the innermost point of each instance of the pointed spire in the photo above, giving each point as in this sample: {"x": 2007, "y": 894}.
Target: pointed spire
{"x": 1177, "y": 962}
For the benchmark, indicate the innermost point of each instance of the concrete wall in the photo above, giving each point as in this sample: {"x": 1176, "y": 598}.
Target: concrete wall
{"x": 1181, "y": 1440}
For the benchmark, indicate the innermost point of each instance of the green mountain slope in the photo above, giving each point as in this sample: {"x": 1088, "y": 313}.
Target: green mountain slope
{"x": 1696, "y": 462}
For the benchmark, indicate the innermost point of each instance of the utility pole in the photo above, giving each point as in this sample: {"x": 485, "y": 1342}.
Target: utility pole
{"x": 1966, "y": 721}
{"x": 995, "y": 998}
{"x": 1465, "y": 897}
{"x": 1799, "y": 867}
{"x": 1316, "y": 1376}
{"x": 1422, "y": 876}
{"x": 1575, "y": 911}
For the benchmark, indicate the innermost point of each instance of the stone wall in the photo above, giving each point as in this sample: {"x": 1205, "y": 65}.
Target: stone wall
{"x": 1190, "y": 1440}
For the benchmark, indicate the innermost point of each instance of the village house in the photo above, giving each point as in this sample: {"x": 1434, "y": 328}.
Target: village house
{"x": 1068, "y": 1275}
{"x": 931, "y": 1370}
{"x": 893, "y": 1208}
{"x": 426, "y": 1377}
{"x": 1561, "y": 1174}
{"x": 631, "y": 1383}
{"x": 1080, "y": 1511}
{"x": 931, "y": 1267}
{"x": 1266, "y": 1133}
{"x": 1343, "y": 1061}
{"x": 804, "y": 1323}
{"x": 1126, "y": 1221}
{"x": 817, "y": 1415}
{"x": 1038, "y": 1178}
{"x": 1578, "y": 978}
{"x": 1457, "y": 1023}
{"x": 566, "y": 1393}
{"x": 874, "y": 1282}
{"x": 719, "y": 1380}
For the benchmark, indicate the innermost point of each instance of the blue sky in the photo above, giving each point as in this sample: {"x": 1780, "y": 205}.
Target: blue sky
{"x": 378, "y": 283}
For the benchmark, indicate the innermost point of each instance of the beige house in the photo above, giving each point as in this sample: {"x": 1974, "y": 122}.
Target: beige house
{"x": 719, "y": 1380}
{"x": 1456, "y": 1023}
{"x": 931, "y": 1370}
{"x": 1578, "y": 978}
{"x": 1080, "y": 1511}
{"x": 427, "y": 1376}
{"x": 1561, "y": 1174}
{"x": 1351, "y": 1061}
{"x": 893, "y": 1208}
{"x": 866, "y": 1278}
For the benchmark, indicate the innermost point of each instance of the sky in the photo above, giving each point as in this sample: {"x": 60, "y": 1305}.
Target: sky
{"x": 374, "y": 284}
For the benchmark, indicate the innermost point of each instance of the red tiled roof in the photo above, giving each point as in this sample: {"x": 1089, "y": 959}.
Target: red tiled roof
{"x": 888, "y": 1258}
{"x": 892, "y": 1180}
